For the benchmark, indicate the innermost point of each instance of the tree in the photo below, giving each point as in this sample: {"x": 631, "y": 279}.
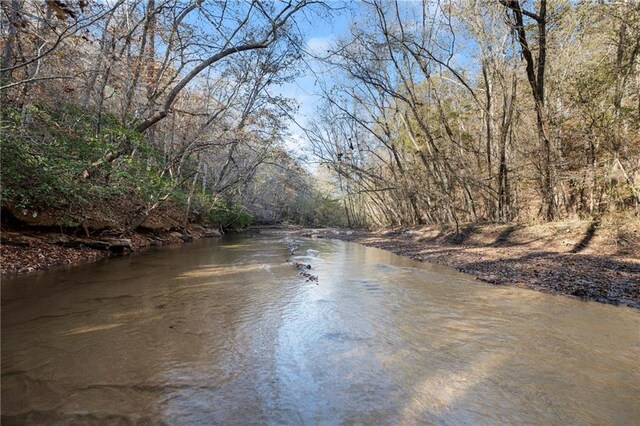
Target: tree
{"x": 535, "y": 69}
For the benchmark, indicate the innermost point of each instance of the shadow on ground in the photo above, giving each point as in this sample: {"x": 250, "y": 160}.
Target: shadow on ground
{"x": 588, "y": 236}
{"x": 586, "y": 276}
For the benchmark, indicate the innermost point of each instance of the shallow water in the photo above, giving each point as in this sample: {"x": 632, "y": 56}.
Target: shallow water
{"x": 228, "y": 332}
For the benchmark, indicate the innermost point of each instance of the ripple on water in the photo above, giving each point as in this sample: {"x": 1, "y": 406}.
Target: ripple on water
{"x": 225, "y": 332}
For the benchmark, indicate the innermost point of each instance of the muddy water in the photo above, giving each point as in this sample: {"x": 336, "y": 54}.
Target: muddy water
{"x": 227, "y": 332}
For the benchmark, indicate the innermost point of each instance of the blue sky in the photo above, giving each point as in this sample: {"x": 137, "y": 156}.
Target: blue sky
{"x": 319, "y": 35}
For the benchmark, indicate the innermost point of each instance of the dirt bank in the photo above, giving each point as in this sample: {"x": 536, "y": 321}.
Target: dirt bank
{"x": 593, "y": 261}
{"x": 26, "y": 249}
{"x": 590, "y": 260}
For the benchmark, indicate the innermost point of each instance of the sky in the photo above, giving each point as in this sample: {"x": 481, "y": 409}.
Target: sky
{"x": 319, "y": 35}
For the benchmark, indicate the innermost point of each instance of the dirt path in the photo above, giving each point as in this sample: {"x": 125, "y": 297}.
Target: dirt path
{"x": 560, "y": 258}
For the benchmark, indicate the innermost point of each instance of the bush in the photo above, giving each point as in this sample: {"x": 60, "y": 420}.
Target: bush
{"x": 228, "y": 216}
{"x": 56, "y": 160}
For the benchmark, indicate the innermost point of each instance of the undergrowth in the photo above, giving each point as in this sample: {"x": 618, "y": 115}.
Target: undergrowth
{"x": 64, "y": 159}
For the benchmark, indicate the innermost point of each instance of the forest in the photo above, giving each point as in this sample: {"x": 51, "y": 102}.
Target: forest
{"x": 466, "y": 111}
{"x": 119, "y": 113}
{"x": 320, "y": 212}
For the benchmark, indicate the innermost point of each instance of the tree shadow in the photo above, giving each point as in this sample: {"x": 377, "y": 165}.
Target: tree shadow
{"x": 588, "y": 236}
{"x": 503, "y": 238}
{"x": 590, "y": 277}
{"x": 462, "y": 235}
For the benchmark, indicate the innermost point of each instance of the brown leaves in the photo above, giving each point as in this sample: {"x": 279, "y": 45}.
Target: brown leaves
{"x": 61, "y": 9}
{"x": 38, "y": 255}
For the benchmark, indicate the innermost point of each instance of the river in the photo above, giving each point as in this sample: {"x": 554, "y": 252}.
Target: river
{"x": 229, "y": 332}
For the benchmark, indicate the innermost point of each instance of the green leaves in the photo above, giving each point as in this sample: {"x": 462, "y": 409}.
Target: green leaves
{"x": 47, "y": 154}
{"x": 228, "y": 215}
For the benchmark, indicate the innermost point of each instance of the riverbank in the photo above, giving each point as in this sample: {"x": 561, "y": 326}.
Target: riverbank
{"x": 24, "y": 249}
{"x": 590, "y": 260}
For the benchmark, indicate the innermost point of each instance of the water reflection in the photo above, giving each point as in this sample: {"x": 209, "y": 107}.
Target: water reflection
{"x": 228, "y": 332}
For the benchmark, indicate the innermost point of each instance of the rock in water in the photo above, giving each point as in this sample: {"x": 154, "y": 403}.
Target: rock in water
{"x": 118, "y": 245}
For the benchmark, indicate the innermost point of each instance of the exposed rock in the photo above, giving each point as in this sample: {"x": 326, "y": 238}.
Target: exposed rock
{"x": 118, "y": 242}
{"x": 209, "y": 233}
{"x": 99, "y": 245}
{"x": 118, "y": 245}
{"x": 198, "y": 228}
{"x": 58, "y": 239}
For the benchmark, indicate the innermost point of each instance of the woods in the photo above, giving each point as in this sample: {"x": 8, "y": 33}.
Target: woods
{"x": 320, "y": 212}
{"x": 435, "y": 112}
{"x": 113, "y": 112}
{"x": 457, "y": 112}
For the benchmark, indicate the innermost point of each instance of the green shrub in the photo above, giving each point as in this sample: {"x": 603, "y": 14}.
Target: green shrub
{"x": 228, "y": 216}
{"x": 56, "y": 159}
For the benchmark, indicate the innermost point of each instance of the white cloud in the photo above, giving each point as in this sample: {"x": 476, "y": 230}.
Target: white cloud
{"x": 319, "y": 45}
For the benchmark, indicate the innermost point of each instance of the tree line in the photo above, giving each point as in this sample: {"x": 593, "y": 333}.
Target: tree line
{"x": 146, "y": 104}
{"x": 445, "y": 112}
{"x": 433, "y": 112}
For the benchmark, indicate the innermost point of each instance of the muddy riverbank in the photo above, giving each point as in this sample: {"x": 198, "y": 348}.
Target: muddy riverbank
{"x": 569, "y": 258}
{"x": 31, "y": 249}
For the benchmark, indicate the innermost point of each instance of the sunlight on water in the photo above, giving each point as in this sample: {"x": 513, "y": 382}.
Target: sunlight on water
{"x": 440, "y": 391}
{"x": 89, "y": 329}
{"x": 219, "y": 271}
{"x": 230, "y": 332}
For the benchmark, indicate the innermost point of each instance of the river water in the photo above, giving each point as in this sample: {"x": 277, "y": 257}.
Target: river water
{"x": 228, "y": 332}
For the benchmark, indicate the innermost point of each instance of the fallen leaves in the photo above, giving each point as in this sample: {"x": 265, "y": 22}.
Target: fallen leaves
{"x": 16, "y": 259}
{"x": 598, "y": 275}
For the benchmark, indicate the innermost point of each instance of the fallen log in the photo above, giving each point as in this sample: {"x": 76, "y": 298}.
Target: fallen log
{"x": 114, "y": 245}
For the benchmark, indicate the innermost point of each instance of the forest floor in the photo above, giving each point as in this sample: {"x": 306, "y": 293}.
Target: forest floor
{"x": 591, "y": 260}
